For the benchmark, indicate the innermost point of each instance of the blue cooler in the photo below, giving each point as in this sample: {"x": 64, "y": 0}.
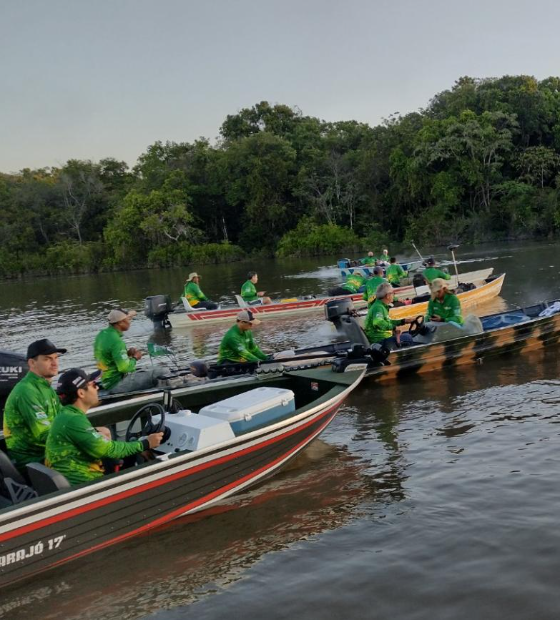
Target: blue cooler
{"x": 252, "y": 409}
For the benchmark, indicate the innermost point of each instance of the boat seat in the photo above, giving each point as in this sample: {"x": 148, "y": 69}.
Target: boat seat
{"x": 240, "y": 301}
{"x": 190, "y": 308}
{"x": 422, "y": 290}
{"x": 46, "y": 480}
{"x": 12, "y": 484}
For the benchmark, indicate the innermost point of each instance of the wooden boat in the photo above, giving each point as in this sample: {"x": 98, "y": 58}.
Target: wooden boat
{"x": 68, "y": 523}
{"x": 483, "y": 292}
{"x": 159, "y": 309}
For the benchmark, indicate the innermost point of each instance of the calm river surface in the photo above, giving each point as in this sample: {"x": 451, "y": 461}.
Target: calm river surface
{"x": 431, "y": 498}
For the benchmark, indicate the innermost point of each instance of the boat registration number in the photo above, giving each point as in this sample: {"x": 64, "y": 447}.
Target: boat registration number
{"x": 31, "y": 551}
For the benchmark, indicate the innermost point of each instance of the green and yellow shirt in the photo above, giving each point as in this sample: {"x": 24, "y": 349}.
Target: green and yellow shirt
{"x": 354, "y": 282}
{"x": 29, "y": 413}
{"x": 109, "y": 350}
{"x": 371, "y": 287}
{"x": 75, "y": 448}
{"x": 394, "y": 274}
{"x": 378, "y": 324}
{"x": 193, "y": 293}
{"x": 239, "y": 346}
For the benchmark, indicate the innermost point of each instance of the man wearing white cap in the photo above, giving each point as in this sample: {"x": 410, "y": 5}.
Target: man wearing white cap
{"x": 444, "y": 306}
{"x": 237, "y": 344}
{"x": 194, "y": 295}
{"x": 116, "y": 362}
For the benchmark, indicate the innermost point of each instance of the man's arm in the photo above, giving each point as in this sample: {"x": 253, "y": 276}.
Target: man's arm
{"x": 34, "y": 414}
{"x": 93, "y": 443}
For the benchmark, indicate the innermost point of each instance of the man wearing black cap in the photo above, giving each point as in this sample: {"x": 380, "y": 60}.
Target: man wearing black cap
{"x": 432, "y": 272}
{"x": 32, "y": 406}
{"x": 74, "y": 447}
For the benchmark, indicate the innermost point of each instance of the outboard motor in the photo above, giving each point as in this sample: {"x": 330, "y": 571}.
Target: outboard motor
{"x": 13, "y": 367}
{"x": 418, "y": 280}
{"x": 341, "y": 313}
{"x": 157, "y": 308}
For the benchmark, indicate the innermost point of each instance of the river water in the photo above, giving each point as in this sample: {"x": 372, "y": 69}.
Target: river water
{"x": 431, "y": 498}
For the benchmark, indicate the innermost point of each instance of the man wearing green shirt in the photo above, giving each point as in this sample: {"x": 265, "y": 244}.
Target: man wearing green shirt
{"x": 74, "y": 447}
{"x": 395, "y": 272}
{"x": 369, "y": 260}
{"x": 116, "y": 362}
{"x": 372, "y": 284}
{"x": 193, "y": 294}
{"x": 249, "y": 291}
{"x": 443, "y": 307}
{"x": 432, "y": 272}
{"x": 352, "y": 285}
{"x": 379, "y": 326}
{"x": 32, "y": 406}
{"x": 237, "y": 344}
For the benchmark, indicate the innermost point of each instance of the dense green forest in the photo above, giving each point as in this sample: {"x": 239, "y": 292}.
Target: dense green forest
{"x": 481, "y": 162}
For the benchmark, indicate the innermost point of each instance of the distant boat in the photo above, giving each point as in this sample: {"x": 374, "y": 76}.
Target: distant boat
{"x": 161, "y": 311}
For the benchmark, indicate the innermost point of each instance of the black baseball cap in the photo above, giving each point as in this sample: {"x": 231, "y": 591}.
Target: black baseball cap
{"x": 42, "y": 347}
{"x": 72, "y": 380}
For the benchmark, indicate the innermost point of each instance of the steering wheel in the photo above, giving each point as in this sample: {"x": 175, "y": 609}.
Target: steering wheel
{"x": 145, "y": 415}
{"x": 416, "y": 326}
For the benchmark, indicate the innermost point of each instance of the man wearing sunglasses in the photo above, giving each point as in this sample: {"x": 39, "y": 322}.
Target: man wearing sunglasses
{"x": 32, "y": 406}
{"x": 237, "y": 344}
{"x": 74, "y": 447}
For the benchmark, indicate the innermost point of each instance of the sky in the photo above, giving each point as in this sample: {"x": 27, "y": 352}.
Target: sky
{"x": 83, "y": 79}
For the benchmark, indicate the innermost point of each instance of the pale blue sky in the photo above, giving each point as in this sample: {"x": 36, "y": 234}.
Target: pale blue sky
{"x": 90, "y": 79}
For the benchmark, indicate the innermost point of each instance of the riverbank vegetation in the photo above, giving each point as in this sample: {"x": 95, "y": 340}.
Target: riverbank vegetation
{"x": 481, "y": 162}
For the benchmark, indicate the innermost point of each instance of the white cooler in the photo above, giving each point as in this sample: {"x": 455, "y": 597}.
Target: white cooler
{"x": 254, "y": 408}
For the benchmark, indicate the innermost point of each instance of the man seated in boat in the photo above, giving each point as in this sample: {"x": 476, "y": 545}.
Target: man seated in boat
{"x": 369, "y": 260}
{"x": 444, "y": 306}
{"x": 249, "y": 291}
{"x": 194, "y": 295}
{"x": 432, "y": 272}
{"x": 379, "y": 327}
{"x": 372, "y": 284}
{"x": 354, "y": 282}
{"x": 117, "y": 363}
{"x": 32, "y": 406}
{"x": 237, "y": 344}
{"x": 384, "y": 258}
{"x": 395, "y": 272}
{"x": 74, "y": 447}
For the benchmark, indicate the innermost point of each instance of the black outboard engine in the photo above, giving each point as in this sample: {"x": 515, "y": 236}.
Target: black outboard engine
{"x": 341, "y": 313}
{"x": 418, "y": 280}
{"x": 157, "y": 308}
{"x": 13, "y": 367}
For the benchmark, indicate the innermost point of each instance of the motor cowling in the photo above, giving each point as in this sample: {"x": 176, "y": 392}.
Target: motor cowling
{"x": 337, "y": 308}
{"x": 157, "y": 308}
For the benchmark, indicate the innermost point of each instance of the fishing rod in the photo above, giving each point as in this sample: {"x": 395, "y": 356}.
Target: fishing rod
{"x": 417, "y": 251}
{"x": 452, "y": 249}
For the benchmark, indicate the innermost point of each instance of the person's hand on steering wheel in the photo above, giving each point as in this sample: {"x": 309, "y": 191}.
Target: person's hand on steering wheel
{"x": 154, "y": 440}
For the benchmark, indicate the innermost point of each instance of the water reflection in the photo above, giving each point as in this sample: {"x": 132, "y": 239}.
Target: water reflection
{"x": 179, "y": 564}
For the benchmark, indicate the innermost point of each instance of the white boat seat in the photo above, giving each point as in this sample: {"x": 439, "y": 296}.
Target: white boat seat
{"x": 422, "y": 290}
{"x": 190, "y": 308}
{"x": 46, "y": 480}
{"x": 241, "y": 302}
